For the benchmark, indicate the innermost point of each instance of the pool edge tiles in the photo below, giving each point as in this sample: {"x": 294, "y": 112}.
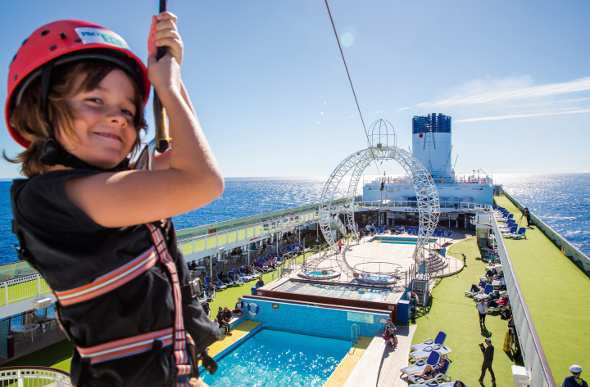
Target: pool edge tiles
{"x": 350, "y": 361}
{"x": 238, "y": 333}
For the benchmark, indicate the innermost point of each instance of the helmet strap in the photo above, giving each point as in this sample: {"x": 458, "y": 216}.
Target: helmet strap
{"x": 55, "y": 154}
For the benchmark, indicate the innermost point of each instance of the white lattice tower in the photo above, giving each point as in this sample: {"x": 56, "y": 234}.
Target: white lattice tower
{"x": 426, "y": 194}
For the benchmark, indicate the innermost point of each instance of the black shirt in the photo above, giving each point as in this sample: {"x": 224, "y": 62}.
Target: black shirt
{"x": 70, "y": 250}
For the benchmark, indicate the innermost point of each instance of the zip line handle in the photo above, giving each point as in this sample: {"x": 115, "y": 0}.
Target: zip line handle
{"x": 162, "y": 136}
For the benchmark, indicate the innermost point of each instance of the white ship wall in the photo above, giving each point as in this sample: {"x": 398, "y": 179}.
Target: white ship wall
{"x": 478, "y": 193}
{"x": 434, "y": 152}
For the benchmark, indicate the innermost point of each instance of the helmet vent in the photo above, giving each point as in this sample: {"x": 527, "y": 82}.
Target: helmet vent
{"x": 77, "y": 40}
{"x": 53, "y": 47}
{"x": 62, "y": 35}
{"x": 44, "y": 32}
{"x": 24, "y": 41}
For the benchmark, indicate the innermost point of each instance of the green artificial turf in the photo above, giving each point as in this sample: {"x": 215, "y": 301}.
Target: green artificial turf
{"x": 57, "y": 356}
{"x": 557, "y": 294}
{"x": 449, "y": 310}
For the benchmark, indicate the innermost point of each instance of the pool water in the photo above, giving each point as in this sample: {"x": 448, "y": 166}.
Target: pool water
{"x": 335, "y": 290}
{"x": 277, "y": 358}
{"x": 397, "y": 241}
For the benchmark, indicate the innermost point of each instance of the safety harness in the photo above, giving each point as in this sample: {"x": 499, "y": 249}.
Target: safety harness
{"x": 184, "y": 357}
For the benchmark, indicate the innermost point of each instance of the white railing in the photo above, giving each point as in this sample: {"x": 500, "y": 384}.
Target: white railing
{"x": 33, "y": 377}
{"x": 452, "y": 204}
{"x": 534, "y": 357}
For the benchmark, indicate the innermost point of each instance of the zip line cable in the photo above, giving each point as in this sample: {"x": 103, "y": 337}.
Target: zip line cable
{"x": 351, "y": 86}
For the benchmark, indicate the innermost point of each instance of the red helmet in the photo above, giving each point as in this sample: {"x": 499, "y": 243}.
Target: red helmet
{"x": 62, "y": 42}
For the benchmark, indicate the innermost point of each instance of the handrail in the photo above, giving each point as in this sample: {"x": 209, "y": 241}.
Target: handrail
{"x": 34, "y": 376}
{"x": 22, "y": 288}
{"x": 355, "y": 333}
{"x": 534, "y": 356}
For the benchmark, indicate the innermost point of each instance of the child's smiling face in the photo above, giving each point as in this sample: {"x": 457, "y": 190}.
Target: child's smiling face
{"x": 103, "y": 121}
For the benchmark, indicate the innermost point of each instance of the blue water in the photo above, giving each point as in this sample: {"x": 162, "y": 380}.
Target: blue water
{"x": 561, "y": 201}
{"x": 276, "y": 358}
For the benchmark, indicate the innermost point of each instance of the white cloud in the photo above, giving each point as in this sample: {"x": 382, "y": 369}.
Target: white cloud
{"x": 505, "y": 91}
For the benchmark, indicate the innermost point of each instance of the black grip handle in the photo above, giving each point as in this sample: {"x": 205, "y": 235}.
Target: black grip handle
{"x": 162, "y": 138}
{"x": 163, "y": 8}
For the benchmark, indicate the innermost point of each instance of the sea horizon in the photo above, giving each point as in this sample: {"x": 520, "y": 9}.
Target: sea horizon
{"x": 562, "y": 201}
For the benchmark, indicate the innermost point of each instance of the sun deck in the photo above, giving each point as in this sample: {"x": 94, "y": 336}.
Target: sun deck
{"x": 557, "y": 294}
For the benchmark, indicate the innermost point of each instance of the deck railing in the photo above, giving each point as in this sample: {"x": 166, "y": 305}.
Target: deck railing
{"x": 33, "y": 377}
{"x": 534, "y": 357}
{"x": 22, "y": 288}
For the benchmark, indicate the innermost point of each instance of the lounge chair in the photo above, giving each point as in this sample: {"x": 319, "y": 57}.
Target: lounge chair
{"x": 486, "y": 292}
{"x": 218, "y": 285}
{"x": 517, "y": 235}
{"x": 237, "y": 277}
{"x": 471, "y": 293}
{"x": 436, "y": 382}
{"x": 424, "y": 353}
{"x": 420, "y": 365}
{"x": 441, "y": 376}
{"x": 439, "y": 340}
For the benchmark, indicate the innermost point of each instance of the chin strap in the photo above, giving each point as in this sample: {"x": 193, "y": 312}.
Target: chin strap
{"x": 55, "y": 154}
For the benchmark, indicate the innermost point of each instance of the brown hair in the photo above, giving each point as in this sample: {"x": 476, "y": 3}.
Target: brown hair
{"x": 28, "y": 118}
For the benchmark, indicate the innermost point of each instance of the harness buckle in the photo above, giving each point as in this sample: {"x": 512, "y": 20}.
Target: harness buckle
{"x": 192, "y": 289}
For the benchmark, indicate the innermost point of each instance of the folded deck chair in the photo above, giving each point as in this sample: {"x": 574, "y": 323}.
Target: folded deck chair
{"x": 420, "y": 365}
{"x": 441, "y": 376}
{"x": 439, "y": 340}
{"x": 424, "y": 353}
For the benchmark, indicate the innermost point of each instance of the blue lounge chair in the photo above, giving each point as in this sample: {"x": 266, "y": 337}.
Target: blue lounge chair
{"x": 486, "y": 292}
{"x": 441, "y": 376}
{"x": 420, "y": 365}
{"x": 438, "y": 341}
{"x": 218, "y": 285}
{"x": 424, "y": 353}
{"x": 517, "y": 235}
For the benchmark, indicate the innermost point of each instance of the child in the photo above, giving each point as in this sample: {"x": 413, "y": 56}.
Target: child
{"x": 93, "y": 227}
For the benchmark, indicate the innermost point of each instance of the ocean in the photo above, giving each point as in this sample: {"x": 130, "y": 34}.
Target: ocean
{"x": 562, "y": 201}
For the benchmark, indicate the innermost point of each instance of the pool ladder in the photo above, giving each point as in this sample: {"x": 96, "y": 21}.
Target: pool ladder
{"x": 355, "y": 334}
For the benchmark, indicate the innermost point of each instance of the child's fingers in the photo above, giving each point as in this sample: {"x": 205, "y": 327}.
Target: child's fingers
{"x": 166, "y": 15}
{"x": 152, "y": 48}
{"x": 166, "y": 35}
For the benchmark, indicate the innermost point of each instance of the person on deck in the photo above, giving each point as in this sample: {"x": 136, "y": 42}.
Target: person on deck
{"x": 482, "y": 310}
{"x": 223, "y": 322}
{"x": 239, "y": 306}
{"x": 527, "y": 215}
{"x": 575, "y": 380}
{"x": 488, "y": 358}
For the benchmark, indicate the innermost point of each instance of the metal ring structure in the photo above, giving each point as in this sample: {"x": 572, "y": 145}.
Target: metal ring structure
{"x": 426, "y": 196}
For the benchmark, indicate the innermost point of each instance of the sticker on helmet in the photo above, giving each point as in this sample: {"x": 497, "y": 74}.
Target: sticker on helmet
{"x": 90, "y": 35}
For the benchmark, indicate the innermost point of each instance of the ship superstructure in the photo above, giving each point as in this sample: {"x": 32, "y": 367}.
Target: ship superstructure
{"x": 460, "y": 196}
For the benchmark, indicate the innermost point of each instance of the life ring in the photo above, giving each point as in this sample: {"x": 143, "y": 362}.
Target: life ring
{"x": 253, "y": 309}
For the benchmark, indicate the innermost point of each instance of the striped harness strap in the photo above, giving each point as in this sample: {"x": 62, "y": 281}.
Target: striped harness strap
{"x": 142, "y": 343}
{"x": 126, "y": 347}
{"x": 181, "y": 355}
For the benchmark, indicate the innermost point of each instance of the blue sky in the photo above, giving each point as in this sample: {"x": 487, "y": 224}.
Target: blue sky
{"x": 272, "y": 95}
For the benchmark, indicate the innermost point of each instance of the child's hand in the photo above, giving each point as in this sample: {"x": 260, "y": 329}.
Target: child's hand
{"x": 164, "y": 33}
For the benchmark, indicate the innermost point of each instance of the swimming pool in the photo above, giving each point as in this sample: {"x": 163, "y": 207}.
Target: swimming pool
{"x": 335, "y": 290}
{"x": 278, "y": 358}
{"x": 396, "y": 240}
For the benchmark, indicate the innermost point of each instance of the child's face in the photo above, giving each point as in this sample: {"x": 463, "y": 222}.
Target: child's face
{"x": 103, "y": 121}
